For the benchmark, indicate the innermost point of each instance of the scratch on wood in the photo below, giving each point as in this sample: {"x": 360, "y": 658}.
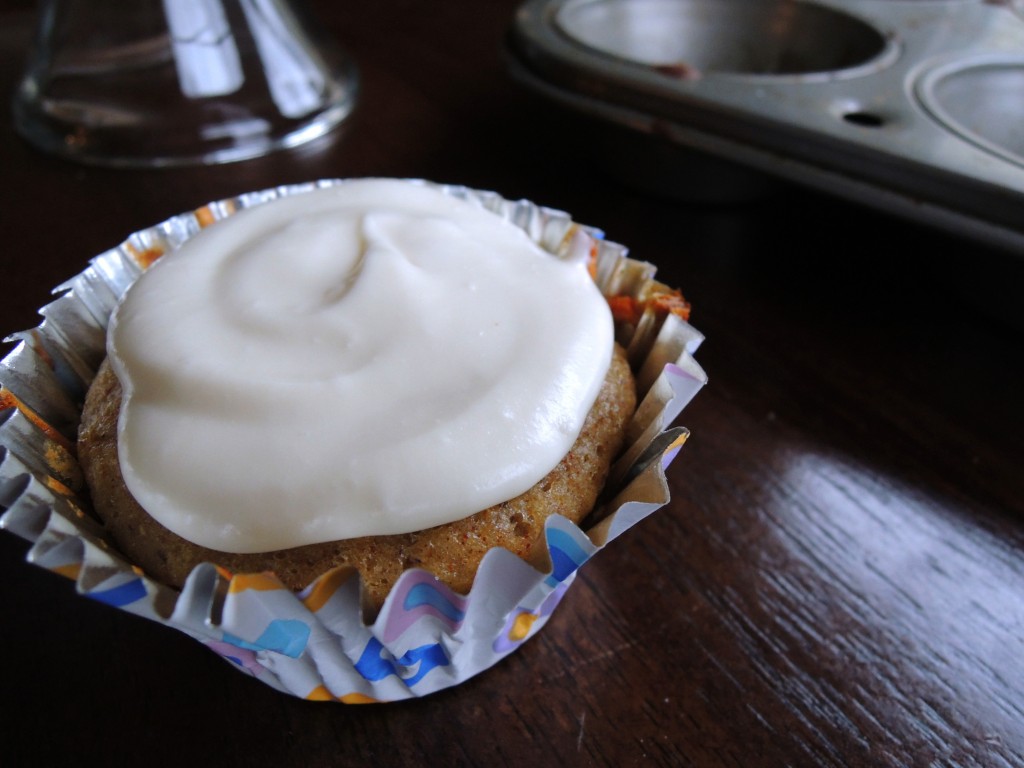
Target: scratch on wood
{"x": 571, "y": 669}
{"x": 579, "y": 739}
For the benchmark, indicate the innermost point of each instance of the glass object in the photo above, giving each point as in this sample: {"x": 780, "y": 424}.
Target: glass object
{"x": 149, "y": 83}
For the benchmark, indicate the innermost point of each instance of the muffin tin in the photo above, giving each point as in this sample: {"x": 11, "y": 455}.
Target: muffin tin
{"x": 913, "y": 106}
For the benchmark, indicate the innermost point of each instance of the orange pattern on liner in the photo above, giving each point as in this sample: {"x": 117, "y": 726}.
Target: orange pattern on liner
{"x": 69, "y": 571}
{"x": 325, "y": 588}
{"x": 320, "y": 693}
{"x": 521, "y": 626}
{"x": 204, "y": 216}
{"x": 260, "y": 582}
{"x": 224, "y": 572}
{"x": 144, "y": 258}
{"x": 678, "y": 442}
{"x": 9, "y": 400}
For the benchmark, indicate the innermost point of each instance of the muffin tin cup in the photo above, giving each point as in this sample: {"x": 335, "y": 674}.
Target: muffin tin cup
{"x": 686, "y": 38}
{"x": 316, "y": 644}
{"x": 909, "y": 106}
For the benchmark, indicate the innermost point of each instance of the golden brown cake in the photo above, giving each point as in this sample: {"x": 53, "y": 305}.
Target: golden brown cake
{"x": 452, "y": 551}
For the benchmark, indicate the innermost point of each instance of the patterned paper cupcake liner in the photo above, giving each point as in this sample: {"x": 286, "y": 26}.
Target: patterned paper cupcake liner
{"x": 315, "y": 644}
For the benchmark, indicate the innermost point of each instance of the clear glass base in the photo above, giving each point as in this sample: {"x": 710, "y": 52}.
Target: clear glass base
{"x": 152, "y": 83}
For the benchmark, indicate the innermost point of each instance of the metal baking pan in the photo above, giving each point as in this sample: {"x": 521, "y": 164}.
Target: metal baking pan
{"x": 913, "y": 106}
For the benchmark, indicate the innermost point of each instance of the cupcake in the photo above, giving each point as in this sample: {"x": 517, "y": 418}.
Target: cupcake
{"x": 347, "y": 434}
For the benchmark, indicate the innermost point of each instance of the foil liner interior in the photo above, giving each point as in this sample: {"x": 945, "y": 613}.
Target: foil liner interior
{"x": 316, "y": 644}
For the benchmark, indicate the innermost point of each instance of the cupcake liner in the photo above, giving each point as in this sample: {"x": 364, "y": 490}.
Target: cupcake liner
{"x": 315, "y": 644}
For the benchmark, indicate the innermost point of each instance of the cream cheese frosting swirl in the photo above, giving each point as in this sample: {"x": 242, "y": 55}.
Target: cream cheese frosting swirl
{"x": 370, "y": 358}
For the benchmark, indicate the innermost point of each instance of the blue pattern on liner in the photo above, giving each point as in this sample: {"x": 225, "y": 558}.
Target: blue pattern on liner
{"x": 285, "y": 636}
{"x": 566, "y": 556}
{"x": 427, "y": 595}
{"x": 374, "y": 665}
{"x": 120, "y": 595}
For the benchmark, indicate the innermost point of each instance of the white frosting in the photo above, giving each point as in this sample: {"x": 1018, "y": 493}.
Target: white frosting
{"x": 372, "y": 358}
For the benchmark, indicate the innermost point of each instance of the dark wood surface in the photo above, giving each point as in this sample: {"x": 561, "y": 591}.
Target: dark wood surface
{"x": 838, "y": 579}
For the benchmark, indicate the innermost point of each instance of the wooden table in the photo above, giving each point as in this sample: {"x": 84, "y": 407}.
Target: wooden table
{"x": 838, "y": 580}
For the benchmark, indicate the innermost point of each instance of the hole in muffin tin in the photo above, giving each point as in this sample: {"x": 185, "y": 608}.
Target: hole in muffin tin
{"x": 752, "y": 37}
{"x": 864, "y": 119}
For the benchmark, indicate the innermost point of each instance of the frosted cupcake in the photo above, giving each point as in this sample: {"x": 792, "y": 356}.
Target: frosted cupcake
{"x": 376, "y": 399}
